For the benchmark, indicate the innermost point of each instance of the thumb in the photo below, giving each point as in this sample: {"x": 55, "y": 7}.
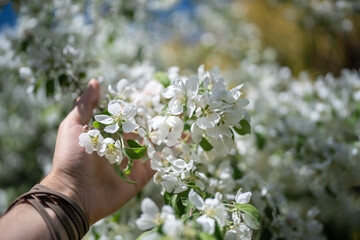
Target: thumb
{"x": 83, "y": 109}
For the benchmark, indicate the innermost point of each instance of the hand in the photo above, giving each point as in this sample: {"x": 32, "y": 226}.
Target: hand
{"x": 87, "y": 178}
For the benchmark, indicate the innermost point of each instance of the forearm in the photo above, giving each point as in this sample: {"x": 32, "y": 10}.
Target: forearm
{"x": 45, "y": 212}
{"x": 24, "y": 222}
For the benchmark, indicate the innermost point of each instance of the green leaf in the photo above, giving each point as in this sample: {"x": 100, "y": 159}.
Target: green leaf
{"x": 252, "y": 216}
{"x": 245, "y": 127}
{"x": 105, "y": 112}
{"x": 120, "y": 173}
{"x": 206, "y": 236}
{"x": 205, "y": 144}
{"x": 96, "y": 124}
{"x": 135, "y": 152}
{"x": 162, "y": 78}
{"x": 133, "y": 143}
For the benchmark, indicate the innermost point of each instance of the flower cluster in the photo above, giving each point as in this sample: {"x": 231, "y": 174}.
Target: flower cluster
{"x": 206, "y": 218}
{"x": 183, "y": 123}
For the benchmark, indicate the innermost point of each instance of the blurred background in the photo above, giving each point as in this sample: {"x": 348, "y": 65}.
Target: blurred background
{"x": 299, "y": 61}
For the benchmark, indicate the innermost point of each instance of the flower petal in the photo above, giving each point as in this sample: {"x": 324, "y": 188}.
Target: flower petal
{"x": 242, "y": 197}
{"x": 104, "y": 119}
{"x": 192, "y": 87}
{"x": 129, "y": 111}
{"x": 149, "y": 207}
{"x": 191, "y": 108}
{"x": 207, "y": 224}
{"x": 196, "y": 199}
{"x": 112, "y": 128}
{"x": 129, "y": 126}
{"x": 196, "y": 133}
{"x": 115, "y": 108}
{"x": 121, "y": 85}
{"x": 230, "y": 235}
{"x": 175, "y": 106}
{"x": 171, "y": 91}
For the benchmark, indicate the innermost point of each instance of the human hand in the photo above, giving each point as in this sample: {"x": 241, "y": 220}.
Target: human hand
{"x": 87, "y": 178}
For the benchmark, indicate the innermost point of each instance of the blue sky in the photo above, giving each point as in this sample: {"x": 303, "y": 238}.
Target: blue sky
{"x": 7, "y": 16}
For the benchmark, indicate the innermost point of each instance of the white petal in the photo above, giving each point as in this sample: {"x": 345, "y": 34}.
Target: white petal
{"x": 145, "y": 222}
{"x": 181, "y": 187}
{"x": 84, "y": 140}
{"x": 196, "y": 199}
{"x": 214, "y": 117}
{"x": 112, "y": 128}
{"x": 122, "y": 85}
{"x": 175, "y": 123}
{"x": 230, "y": 235}
{"x": 191, "y": 108}
{"x": 129, "y": 126}
{"x": 175, "y": 106}
{"x": 207, "y": 224}
{"x": 129, "y": 111}
{"x": 170, "y": 183}
{"x": 111, "y": 158}
{"x": 219, "y": 95}
{"x": 221, "y": 216}
{"x": 108, "y": 141}
{"x": 167, "y": 209}
{"x": 192, "y": 87}
{"x": 196, "y": 133}
{"x": 157, "y": 121}
{"x": 114, "y": 108}
{"x": 89, "y": 149}
{"x": 173, "y": 227}
{"x": 163, "y": 131}
{"x": 200, "y": 184}
{"x": 171, "y": 91}
{"x": 149, "y": 207}
{"x": 245, "y": 232}
{"x": 93, "y": 133}
{"x": 172, "y": 139}
{"x": 205, "y": 123}
{"x": 104, "y": 119}
{"x": 242, "y": 197}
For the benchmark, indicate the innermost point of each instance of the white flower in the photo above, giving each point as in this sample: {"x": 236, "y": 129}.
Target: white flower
{"x": 196, "y": 133}
{"x": 112, "y": 150}
{"x": 212, "y": 208}
{"x": 242, "y": 197}
{"x": 121, "y": 113}
{"x": 240, "y": 232}
{"x": 91, "y": 141}
{"x": 168, "y": 130}
{"x": 173, "y": 227}
{"x": 209, "y": 120}
{"x": 151, "y": 216}
{"x": 172, "y": 183}
{"x": 182, "y": 93}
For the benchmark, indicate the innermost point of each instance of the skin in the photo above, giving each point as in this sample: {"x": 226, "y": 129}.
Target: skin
{"x": 87, "y": 178}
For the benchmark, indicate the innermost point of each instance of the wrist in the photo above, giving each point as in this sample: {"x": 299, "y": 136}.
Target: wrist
{"x": 67, "y": 188}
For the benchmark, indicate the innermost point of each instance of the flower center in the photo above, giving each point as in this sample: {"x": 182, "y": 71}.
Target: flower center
{"x": 110, "y": 149}
{"x": 95, "y": 140}
{"x": 158, "y": 220}
{"x": 209, "y": 211}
